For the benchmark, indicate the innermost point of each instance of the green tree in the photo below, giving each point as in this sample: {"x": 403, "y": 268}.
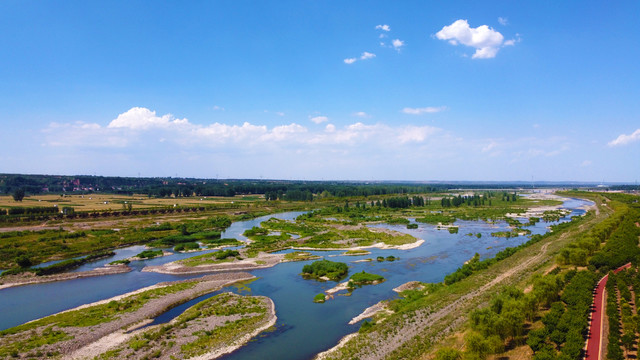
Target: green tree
{"x": 448, "y": 354}
{"x": 18, "y": 194}
{"x": 23, "y": 261}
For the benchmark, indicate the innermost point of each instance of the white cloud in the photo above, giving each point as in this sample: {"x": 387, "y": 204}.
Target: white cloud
{"x": 139, "y": 118}
{"x": 512, "y": 42}
{"x": 245, "y": 138}
{"x": 361, "y": 114}
{"x": 415, "y": 133}
{"x": 484, "y": 39}
{"x": 503, "y": 21}
{"x": 279, "y": 113}
{"x": 625, "y": 139}
{"x": 217, "y": 107}
{"x": 424, "y": 110}
{"x": 219, "y": 133}
{"x": 283, "y": 132}
{"x": 383, "y": 27}
{"x": 319, "y": 119}
{"x": 397, "y": 44}
{"x": 350, "y": 60}
{"x": 367, "y": 55}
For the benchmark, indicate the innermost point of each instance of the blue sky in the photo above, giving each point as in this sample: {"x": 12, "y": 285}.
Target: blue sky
{"x": 359, "y": 90}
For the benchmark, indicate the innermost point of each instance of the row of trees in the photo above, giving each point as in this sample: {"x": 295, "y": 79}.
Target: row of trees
{"x": 562, "y": 298}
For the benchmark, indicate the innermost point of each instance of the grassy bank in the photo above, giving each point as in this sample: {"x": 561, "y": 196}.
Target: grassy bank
{"x": 423, "y": 317}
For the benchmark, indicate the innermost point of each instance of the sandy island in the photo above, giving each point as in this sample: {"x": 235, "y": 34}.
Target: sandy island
{"x": 31, "y": 278}
{"x": 89, "y": 341}
{"x": 261, "y": 261}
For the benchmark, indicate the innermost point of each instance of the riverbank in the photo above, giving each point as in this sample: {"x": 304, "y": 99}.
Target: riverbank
{"x": 29, "y": 278}
{"x": 210, "y": 329}
{"x": 439, "y": 312}
{"x": 80, "y": 332}
{"x": 371, "y": 311}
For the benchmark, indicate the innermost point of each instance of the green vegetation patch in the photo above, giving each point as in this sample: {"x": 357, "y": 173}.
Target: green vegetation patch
{"x": 56, "y": 268}
{"x": 364, "y": 278}
{"x": 99, "y": 314}
{"x": 325, "y": 269}
{"x": 299, "y": 228}
{"x": 150, "y": 254}
{"x": 212, "y": 258}
{"x": 190, "y": 246}
{"x": 300, "y": 256}
{"x": 222, "y": 242}
{"x": 118, "y": 262}
{"x": 320, "y": 298}
{"x": 209, "y": 325}
{"x": 356, "y": 252}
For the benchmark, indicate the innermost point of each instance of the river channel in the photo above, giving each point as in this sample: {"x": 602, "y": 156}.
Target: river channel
{"x": 303, "y": 328}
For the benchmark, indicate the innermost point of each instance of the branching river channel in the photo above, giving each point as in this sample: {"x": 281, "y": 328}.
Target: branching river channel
{"x": 303, "y": 328}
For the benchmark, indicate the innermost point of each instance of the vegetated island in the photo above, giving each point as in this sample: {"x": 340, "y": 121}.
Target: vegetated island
{"x": 325, "y": 270}
{"x": 107, "y": 329}
{"x": 59, "y": 271}
{"x": 227, "y": 260}
{"x": 356, "y": 280}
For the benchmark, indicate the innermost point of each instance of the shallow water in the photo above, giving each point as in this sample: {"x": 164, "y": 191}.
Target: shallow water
{"x": 311, "y": 327}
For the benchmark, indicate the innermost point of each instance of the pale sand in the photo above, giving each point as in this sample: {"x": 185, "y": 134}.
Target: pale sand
{"x": 379, "y": 245}
{"x": 340, "y": 344}
{"x": 240, "y": 342}
{"x": 176, "y": 267}
{"x": 411, "y": 285}
{"x": 112, "y": 340}
{"x": 269, "y": 259}
{"x": 339, "y": 287}
{"x": 371, "y": 311}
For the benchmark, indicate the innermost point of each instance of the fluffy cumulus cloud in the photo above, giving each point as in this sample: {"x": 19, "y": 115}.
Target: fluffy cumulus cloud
{"x": 139, "y": 118}
{"x": 625, "y": 139}
{"x": 367, "y": 55}
{"x": 484, "y": 39}
{"x": 424, "y": 110}
{"x": 397, "y": 44}
{"x": 141, "y": 127}
{"x": 350, "y": 61}
{"x": 503, "y": 21}
{"x": 383, "y": 27}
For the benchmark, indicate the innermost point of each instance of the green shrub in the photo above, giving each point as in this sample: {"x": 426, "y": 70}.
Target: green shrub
{"x": 325, "y": 268}
{"x": 365, "y": 278}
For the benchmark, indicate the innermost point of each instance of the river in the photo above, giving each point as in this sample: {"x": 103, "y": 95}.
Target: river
{"x": 303, "y": 328}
